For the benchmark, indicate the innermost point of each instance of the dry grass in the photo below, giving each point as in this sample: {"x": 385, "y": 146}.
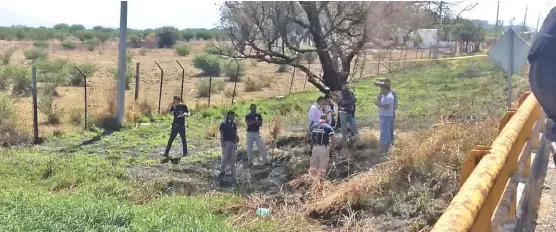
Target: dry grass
{"x": 438, "y": 151}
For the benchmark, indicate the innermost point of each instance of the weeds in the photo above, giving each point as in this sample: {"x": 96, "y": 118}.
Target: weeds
{"x": 76, "y": 116}
{"x": 47, "y": 107}
{"x": 6, "y": 56}
{"x": 252, "y": 85}
{"x": 203, "y": 87}
{"x": 35, "y": 53}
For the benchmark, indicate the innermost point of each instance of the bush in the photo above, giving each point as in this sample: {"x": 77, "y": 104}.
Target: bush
{"x": 35, "y": 53}
{"x": 211, "y": 49}
{"x": 129, "y": 74}
{"x": 282, "y": 68}
{"x": 58, "y": 78}
{"x": 51, "y": 65}
{"x": 4, "y": 81}
{"x": 6, "y": 56}
{"x": 6, "y": 109}
{"x": 11, "y": 135}
{"x": 49, "y": 89}
{"x": 40, "y": 44}
{"x": 68, "y": 45}
{"x": 252, "y": 85}
{"x": 183, "y": 50}
{"x": 143, "y": 51}
{"x": 203, "y": 87}
{"x": 92, "y": 43}
{"x": 20, "y": 78}
{"x": 76, "y": 116}
{"x": 208, "y": 63}
{"x": 76, "y": 79}
{"x": 46, "y": 106}
{"x": 232, "y": 71}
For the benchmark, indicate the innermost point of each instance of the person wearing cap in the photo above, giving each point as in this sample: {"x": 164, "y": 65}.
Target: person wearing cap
{"x": 385, "y": 115}
{"x": 542, "y": 73}
{"x": 228, "y": 142}
{"x": 322, "y": 141}
{"x": 387, "y": 81}
{"x": 254, "y": 121}
{"x": 180, "y": 112}
{"x": 346, "y": 111}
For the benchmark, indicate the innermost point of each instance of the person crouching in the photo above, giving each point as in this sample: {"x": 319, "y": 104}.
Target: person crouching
{"x": 322, "y": 139}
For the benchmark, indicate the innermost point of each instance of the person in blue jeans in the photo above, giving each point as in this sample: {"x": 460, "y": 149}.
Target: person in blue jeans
{"x": 385, "y": 116}
{"x": 180, "y": 112}
{"x": 542, "y": 73}
{"x": 346, "y": 111}
{"x": 387, "y": 81}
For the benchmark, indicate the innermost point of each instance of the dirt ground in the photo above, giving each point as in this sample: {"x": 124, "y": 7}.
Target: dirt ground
{"x": 101, "y": 85}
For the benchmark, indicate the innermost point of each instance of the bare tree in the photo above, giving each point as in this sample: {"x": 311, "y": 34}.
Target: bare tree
{"x": 273, "y": 31}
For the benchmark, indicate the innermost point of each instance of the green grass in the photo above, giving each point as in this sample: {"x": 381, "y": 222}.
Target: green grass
{"x": 64, "y": 186}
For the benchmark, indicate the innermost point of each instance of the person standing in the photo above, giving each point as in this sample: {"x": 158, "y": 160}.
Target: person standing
{"x": 330, "y": 110}
{"x": 346, "y": 110}
{"x": 322, "y": 141}
{"x": 254, "y": 122}
{"x": 316, "y": 111}
{"x": 228, "y": 142}
{"x": 387, "y": 81}
{"x": 385, "y": 115}
{"x": 180, "y": 112}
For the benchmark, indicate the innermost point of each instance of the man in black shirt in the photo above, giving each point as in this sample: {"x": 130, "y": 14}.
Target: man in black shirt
{"x": 322, "y": 140}
{"x": 228, "y": 141}
{"x": 254, "y": 121}
{"x": 180, "y": 111}
{"x": 542, "y": 73}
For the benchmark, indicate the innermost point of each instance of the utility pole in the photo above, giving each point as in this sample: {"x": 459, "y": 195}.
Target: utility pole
{"x": 496, "y": 25}
{"x": 122, "y": 62}
{"x": 437, "y": 44}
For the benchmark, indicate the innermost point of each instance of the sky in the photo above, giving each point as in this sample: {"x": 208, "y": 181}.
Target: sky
{"x": 205, "y": 13}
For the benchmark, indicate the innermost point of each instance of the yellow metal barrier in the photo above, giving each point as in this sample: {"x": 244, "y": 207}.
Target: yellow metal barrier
{"x": 486, "y": 173}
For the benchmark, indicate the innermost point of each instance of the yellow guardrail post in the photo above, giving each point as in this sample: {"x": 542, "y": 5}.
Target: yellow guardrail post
{"x": 482, "y": 188}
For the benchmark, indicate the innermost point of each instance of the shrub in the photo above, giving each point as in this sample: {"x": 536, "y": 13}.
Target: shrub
{"x": 35, "y": 53}
{"x": 20, "y": 78}
{"x": 68, "y": 45}
{"x": 49, "y": 89}
{"x": 46, "y": 106}
{"x": 11, "y": 135}
{"x": 211, "y": 49}
{"x": 183, "y": 50}
{"x": 282, "y": 68}
{"x": 4, "y": 81}
{"x": 58, "y": 78}
{"x": 208, "y": 63}
{"x": 76, "y": 116}
{"x": 232, "y": 71}
{"x": 40, "y": 44}
{"x": 6, "y": 56}
{"x": 51, "y": 65}
{"x": 129, "y": 74}
{"x": 76, "y": 79}
{"x": 252, "y": 85}
{"x": 92, "y": 43}
{"x": 143, "y": 51}
{"x": 203, "y": 87}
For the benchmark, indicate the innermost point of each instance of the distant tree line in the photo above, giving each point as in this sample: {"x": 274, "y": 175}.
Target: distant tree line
{"x": 164, "y": 36}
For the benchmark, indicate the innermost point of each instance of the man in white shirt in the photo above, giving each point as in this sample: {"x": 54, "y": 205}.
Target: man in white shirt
{"x": 386, "y": 115}
{"x": 315, "y": 112}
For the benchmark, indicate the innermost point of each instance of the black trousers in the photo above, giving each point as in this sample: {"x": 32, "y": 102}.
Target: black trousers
{"x": 177, "y": 129}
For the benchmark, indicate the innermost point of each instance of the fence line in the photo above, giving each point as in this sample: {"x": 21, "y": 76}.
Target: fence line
{"x": 85, "y": 88}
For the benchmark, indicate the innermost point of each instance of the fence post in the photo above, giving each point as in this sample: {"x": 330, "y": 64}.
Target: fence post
{"x": 137, "y": 76}
{"x": 35, "y": 113}
{"x": 160, "y": 91}
{"x": 85, "y": 86}
{"x": 210, "y": 89}
{"x": 291, "y": 84}
{"x": 182, "y": 78}
{"x": 235, "y": 81}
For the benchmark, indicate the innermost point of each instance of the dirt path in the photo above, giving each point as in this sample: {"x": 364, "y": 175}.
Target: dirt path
{"x": 546, "y": 219}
